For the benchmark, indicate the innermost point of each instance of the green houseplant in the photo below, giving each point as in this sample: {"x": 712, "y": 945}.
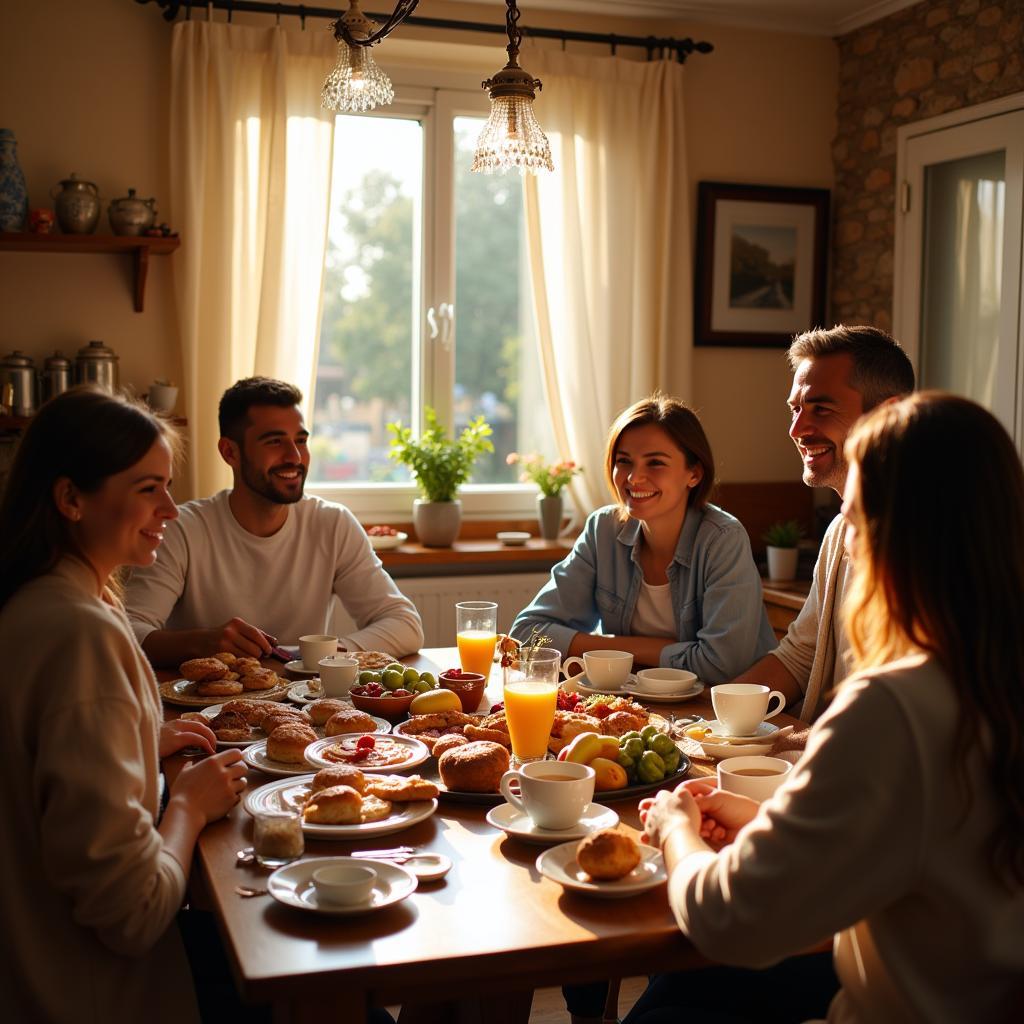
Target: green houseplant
{"x": 440, "y": 465}
{"x": 782, "y": 540}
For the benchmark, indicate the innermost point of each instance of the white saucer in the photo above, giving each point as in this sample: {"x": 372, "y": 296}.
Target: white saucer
{"x": 516, "y": 823}
{"x": 304, "y": 693}
{"x": 297, "y": 668}
{"x": 513, "y": 538}
{"x": 582, "y": 683}
{"x": 722, "y": 750}
{"x": 662, "y": 698}
{"x": 293, "y": 885}
{"x": 559, "y": 864}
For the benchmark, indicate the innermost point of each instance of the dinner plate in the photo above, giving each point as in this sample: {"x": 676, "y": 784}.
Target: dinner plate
{"x": 255, "y": 756}
{"x": 560, "y": 865}
{"x": 293, "y": 885}
{"x": 386, "y": 543}
{"x": 722, "y": 750}
{"x": 182, "y": 692}
{"x": 298, "y": 668}
{"x": 211, "y": 713}
{"x": 519, "y": 825}
{"x": 291, "y": 794}
{"x": 417, "y": 753}
{"x": 661, "y": 698}
{"x": 306, "y": 692}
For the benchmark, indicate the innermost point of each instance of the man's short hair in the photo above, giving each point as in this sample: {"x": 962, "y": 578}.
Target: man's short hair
{"x": 881, "y": 369}
{"x": 236, "y": 402}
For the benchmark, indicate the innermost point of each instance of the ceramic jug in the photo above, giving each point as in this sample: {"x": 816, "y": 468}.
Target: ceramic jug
{"x": 130, "y": 215}
{"x": 13, "y": 194}
{"x": 78, "y": 205}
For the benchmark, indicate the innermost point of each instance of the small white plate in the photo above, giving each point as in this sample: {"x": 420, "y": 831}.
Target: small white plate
{"x": 293, "y": 885}
{"x": 662, "y": 698}
{"x": 582, "y": 683}
{"x": 516, "y": 823}
{"x": 560, "y": 865}
{"x": 255, "y": 756}
{"x": 291, "y": 794}
{"x": 297, "y": 668}
{"x": 306, "y": 692}
{"x": 721, "y": 750}
{"x": 418, "y": 753}
{"x": 513, "y": 538}
{"x": 394, "y": 540}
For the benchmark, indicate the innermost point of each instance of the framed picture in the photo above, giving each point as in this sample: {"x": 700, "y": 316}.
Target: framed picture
{"x": 761, "y": 263}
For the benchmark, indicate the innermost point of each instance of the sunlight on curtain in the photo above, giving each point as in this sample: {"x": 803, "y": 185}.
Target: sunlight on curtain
{"x": 608, "y": 237}
{"x": 251, "y": 161}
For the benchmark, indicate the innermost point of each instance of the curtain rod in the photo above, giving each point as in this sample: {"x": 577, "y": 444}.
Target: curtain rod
{"x": 682, "y": 48}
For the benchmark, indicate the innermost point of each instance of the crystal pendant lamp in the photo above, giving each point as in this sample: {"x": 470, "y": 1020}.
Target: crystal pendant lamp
{"x": 512, "y": 137}
{"x": 355, "y": 83}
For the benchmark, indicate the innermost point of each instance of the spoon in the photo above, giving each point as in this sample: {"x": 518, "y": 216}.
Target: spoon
{"x": 248, "y": 890}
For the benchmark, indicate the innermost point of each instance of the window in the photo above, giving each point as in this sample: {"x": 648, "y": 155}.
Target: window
{"x": 426, "y": 302}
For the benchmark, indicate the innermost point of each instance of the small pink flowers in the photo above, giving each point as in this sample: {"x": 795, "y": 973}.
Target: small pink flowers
{"x": 549, "y": 478}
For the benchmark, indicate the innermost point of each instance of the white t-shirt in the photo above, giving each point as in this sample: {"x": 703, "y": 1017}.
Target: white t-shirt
{"x": 653, "y": 615}
{"x": 210, "y": 569}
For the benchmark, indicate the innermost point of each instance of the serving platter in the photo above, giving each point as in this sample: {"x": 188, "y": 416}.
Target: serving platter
{"x": 182, "y": 692}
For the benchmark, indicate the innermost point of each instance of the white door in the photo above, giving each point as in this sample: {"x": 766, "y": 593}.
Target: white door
{"x": 958, "y": 255}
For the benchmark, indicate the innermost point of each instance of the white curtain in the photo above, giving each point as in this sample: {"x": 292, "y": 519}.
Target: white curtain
{"x": 251, "y": 172}
{"x": 609, "y": 246}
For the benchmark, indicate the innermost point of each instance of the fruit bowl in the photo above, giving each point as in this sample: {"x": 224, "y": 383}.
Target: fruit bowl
{"x": 391, "y": 708}
{"x": 386, "y": 542}
{"x": 467, "y": 686}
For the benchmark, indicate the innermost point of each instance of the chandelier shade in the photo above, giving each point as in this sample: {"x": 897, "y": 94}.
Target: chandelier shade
{"x": 356, "y": 83}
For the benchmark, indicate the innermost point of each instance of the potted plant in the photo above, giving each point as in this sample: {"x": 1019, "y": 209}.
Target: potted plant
{"x": 440, "y": 465}
{"x": 782, "y": 539}
{"x": 551, "y": 478}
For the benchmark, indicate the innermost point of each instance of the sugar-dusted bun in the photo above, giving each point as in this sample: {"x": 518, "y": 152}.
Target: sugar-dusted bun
{"x": 321, "y": 710}
{"x": 260, "y": 679}
{"x": 227, "y": 658}
{"x": 251, "y": 710}
{"x": 219, "y": 688}
{"x": 338, "y": 775}
{"x": 288, "y": 743}
{"x": 607, "y": 855}
{"x": 243, "y": 666}
{"x": 276, "y": 715}
{"x": 350, "y": 720}
{"x": 449, "y": 741}
{"x": 475, "y": 767}
{"x": 199, "y": 669}
{"x": 231, "y": 727}
{"x": 339, "y": 805}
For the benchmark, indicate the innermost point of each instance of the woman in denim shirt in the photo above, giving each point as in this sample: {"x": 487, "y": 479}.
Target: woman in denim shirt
{"x": 662, "y": 573}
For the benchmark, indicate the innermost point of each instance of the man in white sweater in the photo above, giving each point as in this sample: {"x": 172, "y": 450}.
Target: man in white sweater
{"x": 261, "y": 563}
{"x": 838, "y": 375}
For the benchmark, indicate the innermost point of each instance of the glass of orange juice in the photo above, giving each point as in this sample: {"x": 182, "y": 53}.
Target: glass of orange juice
{"x": 476, "y": 633}
{"x": 531, "y": 692}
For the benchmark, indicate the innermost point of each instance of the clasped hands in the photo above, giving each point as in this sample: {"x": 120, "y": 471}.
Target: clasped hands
{"x": 711, "y": 814}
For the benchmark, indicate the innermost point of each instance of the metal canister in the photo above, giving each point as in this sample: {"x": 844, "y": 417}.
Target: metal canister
{"x": 55, "y": 376}
{"x": 18, "y": 383}
{"x": 96, "y": 363}
{"x": 78, "y": 205}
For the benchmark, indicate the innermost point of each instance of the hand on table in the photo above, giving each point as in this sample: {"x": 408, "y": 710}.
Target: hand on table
{"x": 175, "y": 736}
{"x": 238, "y": 637}
{"x": 213, "y": 786}
{"x": 712, "y": 814}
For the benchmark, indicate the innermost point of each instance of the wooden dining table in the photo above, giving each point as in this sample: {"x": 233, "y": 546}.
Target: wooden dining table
{"x": 486, "y": 935}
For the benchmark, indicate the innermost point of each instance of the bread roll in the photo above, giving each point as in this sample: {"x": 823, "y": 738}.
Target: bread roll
{"x": 321, "y": 710}
{"x": 252, "y": 711}
{"x": 260, "y": 679}
{"x": 199, "y": 669}
{"x": 338, "y": 805}
{"x": 349, "y": 721}
{"x": 288, "y": 743}
{"x": 447, "y": 742}
{"x": 607, "y": 855}
{"x": 338, "y": 775}
{"x": 219, "y": 688}
{"x": 475, "y": 767}
{"x": 231, "y": 727}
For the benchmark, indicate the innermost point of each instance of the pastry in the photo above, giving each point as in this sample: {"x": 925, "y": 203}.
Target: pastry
{"x": 338, "y": 775}
{"x": 476, "y": 767}
{"x": 338, "y": 805}
{"x": 607, "y": 855}
{"x": 231, "y": 727}
{"x": 219, "y": 688}
{"x": 372, "y": 661}
{"x": 374, "y": 809}
{"x": 287, "y": 743}
{"x": 198, "y": 669}
{"x": 494, "y": 735}
{"x": 350, "y": 720}
{"x": 618, "y": 723}
{"x": 244, "y": 666}
{"x": 400, "y": 788}
{"x": 252, "y": 711}
{"x": 260, "y": 679}
{"x": 227, "y": 658}
{"x": 321, "y": 710}
{"x": 278, "y": 715}
{"x": 446, "y": 742}
{"x": 195, "y": 716}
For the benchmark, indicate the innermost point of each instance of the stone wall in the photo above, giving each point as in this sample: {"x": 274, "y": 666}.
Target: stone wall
{"x": 922, "y": 61}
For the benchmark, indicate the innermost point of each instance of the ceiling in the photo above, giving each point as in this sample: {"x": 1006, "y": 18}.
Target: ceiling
{"x": 813, "y": 17}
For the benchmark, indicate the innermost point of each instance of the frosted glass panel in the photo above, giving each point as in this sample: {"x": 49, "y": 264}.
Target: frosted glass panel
{"x": 963, "y": 269}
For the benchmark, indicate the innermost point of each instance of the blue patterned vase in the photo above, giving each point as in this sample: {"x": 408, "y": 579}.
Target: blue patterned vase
{"x": 13, "y": 194}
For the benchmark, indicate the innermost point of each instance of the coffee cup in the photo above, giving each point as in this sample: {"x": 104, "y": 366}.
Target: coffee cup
{"x": 344, "y": 885}
{"x": 742, "y": 707}
{"x": 602, "y": 668}
{"x": 338, "y": 674}
{"x": 162, "y": 396}
{"x": 553, "y": 794}
{"x": 756, "y": 777}
{"x": 665, "y": 681}
{"x": 315, "y": 646}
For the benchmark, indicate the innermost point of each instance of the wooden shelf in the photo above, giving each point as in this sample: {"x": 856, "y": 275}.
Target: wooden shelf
{"x": 476, "y": 552}
{"x": 139, "y": 247}
{"x": 21, "y": 422}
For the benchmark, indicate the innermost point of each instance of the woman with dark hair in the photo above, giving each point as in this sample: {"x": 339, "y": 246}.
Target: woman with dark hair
{"x": 664, "y": 574}
{"x": 95, "y": 875}
{"x": 900, "y": 829}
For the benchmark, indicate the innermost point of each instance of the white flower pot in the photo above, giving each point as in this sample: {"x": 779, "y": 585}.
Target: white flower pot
{"x": 782, "y": 563}
{"x": 436, "y": 522}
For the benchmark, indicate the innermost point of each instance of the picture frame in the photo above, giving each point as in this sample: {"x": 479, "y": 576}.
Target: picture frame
{"x": 761, "y": 265}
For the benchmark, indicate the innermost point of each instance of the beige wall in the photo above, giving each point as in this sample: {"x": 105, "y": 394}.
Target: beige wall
{"x": 84, "y": 88}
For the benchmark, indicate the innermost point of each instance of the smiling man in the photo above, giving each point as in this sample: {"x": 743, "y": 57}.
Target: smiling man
{"x": 838, "y": 375}
{"x": 262, "y": 562}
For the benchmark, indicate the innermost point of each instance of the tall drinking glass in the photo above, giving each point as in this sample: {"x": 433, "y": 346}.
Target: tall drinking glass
{"x": 531, "y": 693}
{"x": 476, "y": 633}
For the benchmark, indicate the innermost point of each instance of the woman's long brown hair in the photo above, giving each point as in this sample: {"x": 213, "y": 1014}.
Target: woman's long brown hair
{"x": 939, "y": 568}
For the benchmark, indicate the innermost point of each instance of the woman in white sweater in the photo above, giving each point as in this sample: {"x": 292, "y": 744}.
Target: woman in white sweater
{"x": 93, "y": 875}
{"x": 899, "y": 831}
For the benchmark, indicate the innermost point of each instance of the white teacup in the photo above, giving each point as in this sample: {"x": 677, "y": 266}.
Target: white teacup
{"x": 602, "y": 668}
{"x": 315, "y": 646}
{"x": 553, "y": 793}
{"x": 742, "y": 707}
{"x": 344, "y": 884}
{"x": 756, "y": 777}
{"x": 162, "y": 397}
{"x": 665, "y": 680}
{"x": 338, "y": 673}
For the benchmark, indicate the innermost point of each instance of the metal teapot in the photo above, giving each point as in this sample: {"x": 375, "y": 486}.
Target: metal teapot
{"x": 78, "y": 205}
{"x": 130, "y": 215}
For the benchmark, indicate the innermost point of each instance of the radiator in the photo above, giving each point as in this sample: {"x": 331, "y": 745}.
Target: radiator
{"x": 435, "y": 597}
